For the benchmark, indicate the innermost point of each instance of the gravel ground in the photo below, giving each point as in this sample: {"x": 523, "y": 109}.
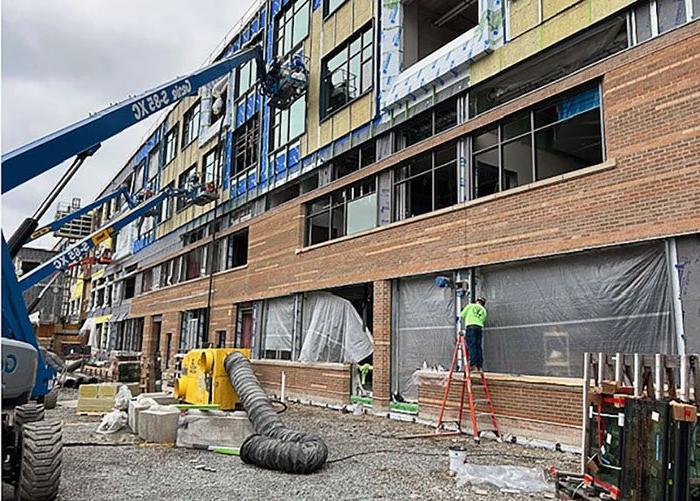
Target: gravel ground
{"x": 383, "y": 467}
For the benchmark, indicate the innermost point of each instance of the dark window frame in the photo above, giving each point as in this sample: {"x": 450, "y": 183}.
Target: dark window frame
{"x": 326, "y": 108}
{"x": 190, "y": 133}
{"x": 171, "y": 140}
{"x": 532, "y": 134}
{"x": 285, "y": 24}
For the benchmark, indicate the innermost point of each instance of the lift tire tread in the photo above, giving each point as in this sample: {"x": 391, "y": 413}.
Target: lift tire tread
{"x": 28, "y": 413}
{"x": 41, "y": 458}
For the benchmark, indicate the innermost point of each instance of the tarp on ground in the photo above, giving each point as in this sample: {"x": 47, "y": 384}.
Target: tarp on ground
{"x": 544, "y": 314}
{"x": 333, "y": 331}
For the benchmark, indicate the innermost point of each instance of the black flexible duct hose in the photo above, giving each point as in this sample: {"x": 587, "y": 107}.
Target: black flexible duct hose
{"x": 273, "y": 446}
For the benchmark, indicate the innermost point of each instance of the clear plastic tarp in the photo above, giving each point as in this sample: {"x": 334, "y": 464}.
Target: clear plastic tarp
{"x": 333, "y": 330}
{"x": 425, "y": 333}
{"x": 279, "y": 323}
{"x": 688, "y": 269}
{"x": 544, "y": 314}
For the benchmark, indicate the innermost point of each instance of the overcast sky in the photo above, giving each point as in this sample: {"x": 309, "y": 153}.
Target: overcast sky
{"x": 65, "y": 59}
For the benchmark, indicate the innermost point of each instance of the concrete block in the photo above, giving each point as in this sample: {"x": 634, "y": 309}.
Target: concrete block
{"x": 161, "y": 397}
{"x": 159, "y": 425}
{"x": 228, "y": 429}
{"x": 136, "y": 407}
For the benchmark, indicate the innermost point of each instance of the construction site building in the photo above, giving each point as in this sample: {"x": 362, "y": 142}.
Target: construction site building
{"x": 544, "y": 154}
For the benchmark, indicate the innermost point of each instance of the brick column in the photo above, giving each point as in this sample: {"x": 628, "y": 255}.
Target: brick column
{"x": 148, "y": 356}
{"x": 381, "y": 329}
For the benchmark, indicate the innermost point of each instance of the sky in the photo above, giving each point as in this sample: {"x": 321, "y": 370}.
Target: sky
{"x": 65, "y": 59}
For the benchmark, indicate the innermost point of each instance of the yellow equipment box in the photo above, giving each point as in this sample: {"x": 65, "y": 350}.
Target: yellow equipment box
{"x": 204, "y": 379}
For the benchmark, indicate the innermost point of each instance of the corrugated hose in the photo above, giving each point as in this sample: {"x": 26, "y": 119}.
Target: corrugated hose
{"x": 273, "y": 446}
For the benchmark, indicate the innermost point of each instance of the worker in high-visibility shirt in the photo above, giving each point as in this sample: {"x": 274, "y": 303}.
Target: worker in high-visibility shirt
{"x": 474, "y": 315}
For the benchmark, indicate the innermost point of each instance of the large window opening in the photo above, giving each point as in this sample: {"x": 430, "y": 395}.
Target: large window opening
{"x": 583, "y": 49}
{"x": 430, "y": 25}
{"x": 426, "y": 183}
{"x": 194, "y": 329}
{"x": 424, "y": 125}
{"x": 559, "y": 136}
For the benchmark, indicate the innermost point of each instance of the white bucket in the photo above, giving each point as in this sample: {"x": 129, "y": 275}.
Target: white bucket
{"x": 457, "y": 457}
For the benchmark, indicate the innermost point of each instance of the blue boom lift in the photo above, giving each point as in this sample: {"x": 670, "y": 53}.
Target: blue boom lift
{"x": 31, "y": 447}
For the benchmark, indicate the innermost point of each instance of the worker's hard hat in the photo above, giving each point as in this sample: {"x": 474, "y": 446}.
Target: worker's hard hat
{"x": 481, "y": 299}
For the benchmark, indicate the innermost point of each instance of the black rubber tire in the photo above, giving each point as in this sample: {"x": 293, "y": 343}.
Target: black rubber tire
{"x": 51, "y": 398}
{"x": 28, "y": 413}
{"x": 41, "y": 457}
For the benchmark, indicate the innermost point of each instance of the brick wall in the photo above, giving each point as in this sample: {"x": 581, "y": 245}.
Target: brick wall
{"x": 525, "y": 406}
{"x": 318, "y": 382}
{"x": 381, "y": 358}
{"x": 649, "y": 188}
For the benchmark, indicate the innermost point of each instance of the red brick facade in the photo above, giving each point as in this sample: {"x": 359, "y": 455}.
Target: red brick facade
{"x": 649, "y": 188}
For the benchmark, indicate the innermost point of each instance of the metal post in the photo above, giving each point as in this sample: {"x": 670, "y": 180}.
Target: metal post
{"x": 618, "y": 367}
{"x": 659, "y": 373}
{"x": 637, "y": 375}
{"x": 584, "y": 414}
{"x": 685, "y": 369}
{"x": 601, "y": 368}
{"x": 676, "y": 296}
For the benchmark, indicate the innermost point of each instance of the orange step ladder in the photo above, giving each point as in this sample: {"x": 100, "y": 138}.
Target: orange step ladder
{"x": 461, "y": 355}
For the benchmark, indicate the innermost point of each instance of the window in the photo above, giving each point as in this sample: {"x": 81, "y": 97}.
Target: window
{"x": 237, "y": 249}
{"x": 278, "y": 328}
{"x": 129, "y": 287}
{"x": 292, "y": 27}
{"x": 426, "y": 183}
{"x": 653, "y": 17}
{"x": 427, "y": 124}
{"x": 289, "y": 123}
{"x": 348, "y": 72}
{"x": 166, "y": 274}
{"x": 147, "y": 280}
{"x": 171, "y": 144}
{"x": 593, "y": 44}
{"x": 221, "y": 339}
{"x": 343, "y": 212}
{"x": 153, "y": 165}
{"x": 245, "y": 145}
{"x": 184, "y": 182}
{"x": 27, "y": 266}
{"x": 190, "y": 125}
{"x": 330, "y": 6}
{"x": 129, "y": 335}
{"x": 138, "y": 177}
{"x": 247, "y": 76}
{"x": 194, "y": 329}
{"x": 166, "y": 207}
{"x": 210, "y": 166}
{"x": 194, "y": 263}
{"x": 353, "y": 160}
{"x": 556, "y": 137}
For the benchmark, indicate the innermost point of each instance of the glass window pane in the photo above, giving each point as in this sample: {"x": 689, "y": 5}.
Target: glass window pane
{"x": 420, "y": 164}
{"x": 696, "y": 9}
{"x": 486, "y": 139}
{"x": 486, "y": 173}
{"x": 367, "y": 37}
{"x": 318, "y": 228}
{"x": 516, "y": 126}
{"x": 354, "y": 82}
{"x": 642, "y": 21}
{"x": 446, "y": 186}
{"x": 338, "y": 221}
{"x": 337, "y": 60}
{"x": 332, "y": 5}
{"x": 517, "y": 162}
{"x": 446, "y": 155}
{"x": 297, "y": 117}
{"x": 419, "y": 195}
{"x": 362, "y": 214}
{"x": 366, "y": 76}
{"x": 671, "y": 13}
{"x": 318, "y": 205}
{"x": 355, "y": 46}
{"x": 301, "y": 24}
{"x": 569, "y": 145}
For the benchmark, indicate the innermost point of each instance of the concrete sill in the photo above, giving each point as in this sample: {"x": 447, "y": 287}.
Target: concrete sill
{"x": 513, "y": 378}
{"x": 333, "y": 366}
{"x": 593, "y": 169}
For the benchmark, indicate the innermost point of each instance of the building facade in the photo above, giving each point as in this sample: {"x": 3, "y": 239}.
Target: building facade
{"x": 541, "y": 153}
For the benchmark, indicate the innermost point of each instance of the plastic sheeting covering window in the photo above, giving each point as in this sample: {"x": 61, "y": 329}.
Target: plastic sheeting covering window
{"x": 688, "y": 269}
{"x": 279, "y": 324}
{"x": 333, "y": 330}
{"x": 425, "y": 330}
{"x": 543, "y": 315}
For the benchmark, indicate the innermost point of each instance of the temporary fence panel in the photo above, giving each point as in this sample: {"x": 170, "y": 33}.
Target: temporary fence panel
{"x": 424, "y": 330}
{"x": 333, "y": 330}
{"x": 544, "y": 314}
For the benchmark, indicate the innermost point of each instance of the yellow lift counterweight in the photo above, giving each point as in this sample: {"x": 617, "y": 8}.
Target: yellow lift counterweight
{"x": 204, "y": 379}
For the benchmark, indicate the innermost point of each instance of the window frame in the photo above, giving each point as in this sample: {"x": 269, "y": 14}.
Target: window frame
{"x": 174, "y": 134}
{"x": 531, "y": 133}
{"x": 276, "y": 124}
{"x": 284, "y": 26}
{"x": 190, "y": 133}
{"x": 328, "y": 11}
{"x": 181, "y": 203}
{"x": 326, "y": 110}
